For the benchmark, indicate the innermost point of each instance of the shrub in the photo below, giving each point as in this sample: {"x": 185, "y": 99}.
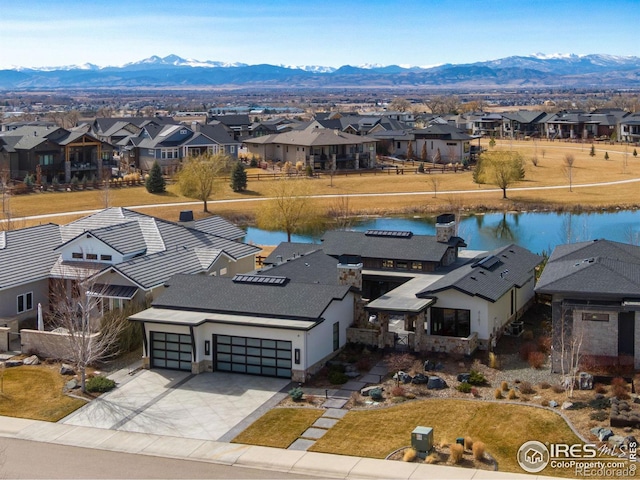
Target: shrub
{"x": 599, "y": 416}
{"x": 336, "y": 377}
{"x": 478, "y": 451}
{"x": 512, "y": 394}
{"x": 456, "y": 451}
{"x": 309, "y": 171}
{"x": 526, "y": 349}
{"x": 253, "y": 163}
{"x": 619, "y": 388}
{"x": 557, "y": 389}
{"x": 100, "y": 384}
{"x": 409, "y": 396}
{"x": 398, "y": 399}
{"x": 544, "y": 403}
{"x": 600, "y": 388}
{"x": 476, "y": 378}
{"x": 464, "y": 387}
{"x": 544, "y": 385}
{"x": 432, "y": 458}
{"x": 544, "y": 344}
{"x": 493, "y": 361}
{"x": 497, "y": 394}
{"x": 536, "y": 360}
{"x": 468, "y": 443}
{"x": 504, "y": 386}
{"x": 526, "y": 388}
{"x": 409, "y": 455}
{"x": 296, "y": 394}
{"x": 398, "y": 391}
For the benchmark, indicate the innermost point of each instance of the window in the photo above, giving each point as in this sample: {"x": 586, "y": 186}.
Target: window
{"x": 46, "y": 159}
{"x": 595, "y": 317}
{"x": 387, "y": 263}
{"x": 450, "y": 322}
{"x": 77, "y": 255}
{"x": 92, "y": 256}
{"x": 336, "y": 336}
{"x": 416, "y": 265}
{"x": 25, "y": 302}
{"x": 106, "y": 257}
{"x": 402, "y": 265}
{"x": 232, "y": 149}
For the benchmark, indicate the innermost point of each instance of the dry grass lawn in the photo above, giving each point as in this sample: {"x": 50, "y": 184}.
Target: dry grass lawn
{"x": 279, "y": 427}
{"x": 36, "y": 392}
{"x": 454, "y": 190}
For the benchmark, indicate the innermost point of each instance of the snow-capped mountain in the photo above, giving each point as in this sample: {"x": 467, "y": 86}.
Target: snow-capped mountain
{"x": 537, "y": 70}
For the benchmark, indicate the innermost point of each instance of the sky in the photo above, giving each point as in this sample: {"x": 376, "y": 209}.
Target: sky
{"x": 38, "y": 33}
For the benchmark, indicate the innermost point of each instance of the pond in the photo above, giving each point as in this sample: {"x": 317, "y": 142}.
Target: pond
{"x": 533, "y": 230}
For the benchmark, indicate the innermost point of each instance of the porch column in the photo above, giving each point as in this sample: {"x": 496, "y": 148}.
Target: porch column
{"x": 333, "y": 162}
{"x": 67, "y": 165}
{"x": 357, "y": 166}
{"x": 420, "y": 331}
{"x": 383, "y": 318}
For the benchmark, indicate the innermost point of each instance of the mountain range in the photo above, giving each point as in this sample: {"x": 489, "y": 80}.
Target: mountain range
{"x": 534, "y": 71}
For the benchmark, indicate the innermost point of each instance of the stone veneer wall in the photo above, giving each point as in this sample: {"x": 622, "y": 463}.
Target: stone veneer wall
{"x": 461, "y": 346}
{"x": 365, "y": 336}
{"x": 350, "y": 275}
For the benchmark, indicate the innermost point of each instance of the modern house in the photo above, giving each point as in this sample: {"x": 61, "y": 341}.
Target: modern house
{"x": 320, "y": 148}
{"x": 445, "y": 142}
{"x": 594, "y": 289}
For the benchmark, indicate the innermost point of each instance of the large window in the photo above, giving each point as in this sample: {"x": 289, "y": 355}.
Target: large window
{"x": 450, "y": 322}
{"x": 25, "y": 302}
{"x": 46, "y": 159}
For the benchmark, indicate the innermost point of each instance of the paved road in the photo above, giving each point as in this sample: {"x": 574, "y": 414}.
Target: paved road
{"x": 343, "y": 195}
{"x": 22, "y": 459}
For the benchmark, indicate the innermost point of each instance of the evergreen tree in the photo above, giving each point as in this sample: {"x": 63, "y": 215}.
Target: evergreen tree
{"x": 155, "y": 181}
{"x": 592, "y": 152}
{"x": 238, "y": 178}
{"x": 635, "y": 152}
{"x": 606, "y": 155}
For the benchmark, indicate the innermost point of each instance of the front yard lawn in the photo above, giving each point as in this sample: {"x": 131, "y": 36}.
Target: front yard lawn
{"x": 377, "y": 432}
{"x": 35, "y": 391}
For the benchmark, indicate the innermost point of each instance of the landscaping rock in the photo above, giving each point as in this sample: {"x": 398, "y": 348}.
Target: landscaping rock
{"x": 596, "y": 430}
{"x": 402, "y": 377}
{"x": 436, "y": 383}
{"x": 351, "y": 371}
{"x": 367, "y": 390}
{"x": 636, "y": 400}
{"x": 32, "y": 360}
{"x": 420, "y": 379}
{"x": 616, "y": 440}
{"x": 376, "y": 394}
{"x": 71, "y": 385}
{"x": 439, "y": 367}
{"x": 628, "y": 430}
{"x": 13, "y": 363}
{"x": 585, "y": 381}
{"x": 566, "y": 405}
{"x": 598, "y": 396}
{"x": 66, "y": 369}
{"x": 463, "y": 377}
{"x": 553, "y": 403}
{"x": 605, "y": 434}
{"x": 428, "y": 365}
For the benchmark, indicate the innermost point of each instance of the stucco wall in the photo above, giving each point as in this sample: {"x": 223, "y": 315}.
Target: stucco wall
{"x": 46, "y": 344}
{"x": 9, "y": 300}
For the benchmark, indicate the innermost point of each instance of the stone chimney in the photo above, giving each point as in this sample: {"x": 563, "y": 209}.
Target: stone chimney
{"x": 350, "y": 271}
{"x": 446, "y": 227}
{"x": 186, "y": 219}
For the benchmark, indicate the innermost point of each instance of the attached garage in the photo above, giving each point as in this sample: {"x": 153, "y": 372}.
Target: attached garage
{"x": 171, "y": 350}
{"x": 255, "y": 356}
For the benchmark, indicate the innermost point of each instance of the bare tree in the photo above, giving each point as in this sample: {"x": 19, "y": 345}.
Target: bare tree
{"x": 569, "y": 161}
{"x": 435, "y": 181}
{"x": 76, "y": 309}
{"x": 568, "y": 338}
{"x": 340, "y": 213}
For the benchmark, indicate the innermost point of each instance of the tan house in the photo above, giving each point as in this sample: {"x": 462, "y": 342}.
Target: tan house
{"x": 320, "y": 148}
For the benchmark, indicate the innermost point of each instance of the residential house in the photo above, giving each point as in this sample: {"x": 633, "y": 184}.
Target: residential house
{"x": 446, "y": 142}
{"x": 237, "y": 124}
{"x": 51, "y": 153}
{"x": 577, "y": 124}
{"x": 630, "y": 128}
{"x": 522, "y": 124}
{"x": 318, "y": 147}
{"x": 594, "y": 290}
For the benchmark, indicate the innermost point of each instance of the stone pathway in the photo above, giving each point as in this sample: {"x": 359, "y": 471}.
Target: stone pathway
{"x": 336, "y": 400}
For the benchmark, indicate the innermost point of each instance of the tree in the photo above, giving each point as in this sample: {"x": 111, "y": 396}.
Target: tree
{"x": 238, "y": 178}
{"x": 76, "y": 310}
{"x": 499, "y": 168}
{"x": 199, "y": 176}
{"x": 568, "y": 336}
{"x": 569, "y": 161}
{"x": 635, "y": 152}
{"x": 289, "y": 208}
{"x": 155, "y": 181}
{"x": 492, "y": 142}
{"x": 592, "y": 152}
{"x": 410, "y": 153}
{"x": 437, "y": 158}
{"x": 400, "y": 104}
{"x": 606, "y": 155}
{"x": 423, "y": 153}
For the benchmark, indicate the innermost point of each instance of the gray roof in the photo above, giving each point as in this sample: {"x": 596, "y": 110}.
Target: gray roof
{"x": 598, "y": 267}
{"x": 312, "y": 137}
{"x": 217, "y": 225}
{"x": 314, "y": 267}
{"x": 288, "y": 250}
{"x": 223, "y": 295}
{"x": 412, "y": 248}
{"x": 27, "y": 255}
{"x": 444, "y": 132}
{"x": 490, "y": 276}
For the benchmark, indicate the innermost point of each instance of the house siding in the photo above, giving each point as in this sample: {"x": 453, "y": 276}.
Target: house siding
{"x": 9, "y": 301}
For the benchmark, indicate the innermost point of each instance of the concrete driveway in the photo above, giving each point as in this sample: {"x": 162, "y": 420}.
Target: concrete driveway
{"x": 209, "y": 406}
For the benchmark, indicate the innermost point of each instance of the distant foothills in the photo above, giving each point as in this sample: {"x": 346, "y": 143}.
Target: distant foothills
{"x": 519, "y": 72}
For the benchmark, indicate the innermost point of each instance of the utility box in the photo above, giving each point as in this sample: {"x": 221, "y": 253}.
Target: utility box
{"x": 422, "y": 440}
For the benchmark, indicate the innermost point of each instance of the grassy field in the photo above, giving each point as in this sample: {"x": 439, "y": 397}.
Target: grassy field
{"x": 36, "y": 392}
{"x": 378, "y": 432}
{"x": 454, "y": 190}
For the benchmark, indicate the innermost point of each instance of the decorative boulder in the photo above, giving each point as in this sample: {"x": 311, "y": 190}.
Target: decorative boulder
{"x": 376, "y": 394}
{"x": 585, "y": 381}
{"x": 71, "y": 384}
{"x": 32, "y": 360}
{"x": 439, "y": 367}
{"x": 366, "y": 391}
{"x": 616, "y": 440}
{"x": 428, "y": 365}
{"x": 13, "y": 363}
{"x": 402, "y": 377}
{"x": 605, "y": 434}
{"x": 553, "y": 403}
{"x": 420, "y": 379}
{"x": 66, "y": 369}
{"x": 463, "y": 377}
{"x": 436, "y": 383}
{"x": 566, "y": 405}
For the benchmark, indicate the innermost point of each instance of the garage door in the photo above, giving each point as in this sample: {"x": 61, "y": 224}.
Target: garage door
{"x": 255, "y": 356}
{"x": 171, "y": 350}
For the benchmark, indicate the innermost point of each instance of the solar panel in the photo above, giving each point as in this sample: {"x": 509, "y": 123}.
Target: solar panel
{"x": 388, "y": 233}
{"x": 260, "y": 279}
